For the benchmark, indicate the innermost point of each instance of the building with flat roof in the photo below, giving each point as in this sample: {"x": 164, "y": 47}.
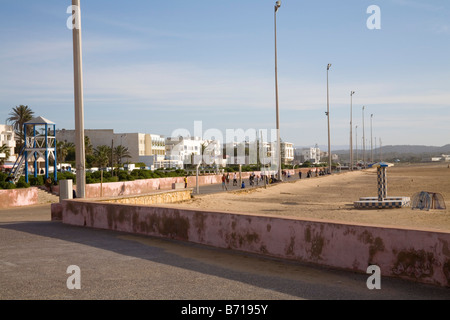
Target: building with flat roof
{"x": 287, "y": 152}
{"x": 7, "y": 138}
{"x": 138, "y": 144}
{"x": 192, "y": 150}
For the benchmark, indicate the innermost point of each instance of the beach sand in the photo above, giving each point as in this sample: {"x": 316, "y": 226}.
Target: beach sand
{"x": 331, "y": 198}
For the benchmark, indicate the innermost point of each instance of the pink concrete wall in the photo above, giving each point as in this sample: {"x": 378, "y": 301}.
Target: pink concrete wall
{"x": 421, "y": 256}
{"x": 112, "y": 189}
{"x": 18, "y": 197}
{"x": 124, "y": 188}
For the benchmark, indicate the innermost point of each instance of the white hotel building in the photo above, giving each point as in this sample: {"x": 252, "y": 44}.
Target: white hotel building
{"x": 139, "y": 144}
{"x": 7, "y": 138}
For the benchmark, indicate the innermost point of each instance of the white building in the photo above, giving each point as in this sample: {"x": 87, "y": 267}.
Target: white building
{"x": 192, "y": 150}
{"x": 7, "y": 138}
{"x": 287, "y": 152}
{"x": 138, "y": 144}
{"x": 310, "y": 154}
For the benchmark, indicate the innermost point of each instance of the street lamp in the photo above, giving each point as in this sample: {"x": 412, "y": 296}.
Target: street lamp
{"x": 364, "y": 139}
{"x": 351, "y": 129}
{"x": 328, "y": 117}
{"x": 371, "y": 141}
{"x": 375, "y": 146}
{"x": 78, "y": 97}
{"x": 356, "y": 132}
{"x": 277, "y": 6}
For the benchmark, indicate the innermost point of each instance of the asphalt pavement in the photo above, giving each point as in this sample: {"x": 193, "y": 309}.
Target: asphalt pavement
{"x": 218, "y": 187}
{"x": 37, "y": 257}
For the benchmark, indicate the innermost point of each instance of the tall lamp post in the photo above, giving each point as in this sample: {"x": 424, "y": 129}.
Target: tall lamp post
{"x": 356, "y": 132}
{"x": 364, "y": 141}
{"x": 277, "y": 6}
{"x": 328, "y": 118}
{"x": 351, "y": 129}
{"x": 78, "y": 97}
{"x": 371, "y": 139}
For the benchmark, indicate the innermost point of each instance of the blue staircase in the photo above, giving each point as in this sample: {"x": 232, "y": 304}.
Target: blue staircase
{"x": 18, "y": 167}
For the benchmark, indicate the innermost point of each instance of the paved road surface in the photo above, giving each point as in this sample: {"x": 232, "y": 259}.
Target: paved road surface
{"x": 216, "y": 188}
{"x": 36, "y": 252}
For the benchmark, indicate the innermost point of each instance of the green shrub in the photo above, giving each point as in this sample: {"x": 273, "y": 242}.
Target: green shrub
{"x": 123, "y": 176}
{"x": 22, "y": 183}
{"x": 3, "y": 176}
{"x": 66, "y": 175}
{"x": 7, "y": 185}
{"x": 36, "y": 181}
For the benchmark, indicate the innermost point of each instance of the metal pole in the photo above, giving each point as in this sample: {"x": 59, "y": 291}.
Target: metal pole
{"x": 112, "y": 158}
{"x": 196, "y": 179}
{"x": 261, "y": 154}
{"x": 364, "y": 141}
{"x": 381, "y": 156}
{"x": 375, "y": 146}
{"x": 328, "y": 117}
{"x": 78, "y": 95}
{"x": 371, "y": 139}
{"x": 351, "y": 130}
{"x": 278, "y": 4}
{"x": 356, "y": 132}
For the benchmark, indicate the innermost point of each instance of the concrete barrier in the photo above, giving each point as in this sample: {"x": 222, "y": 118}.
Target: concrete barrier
{"x": 178, "y": 185}
{"x": 143, "y": 186}
{"x": 18, "y": 197}
{"x": 417, "y": 255}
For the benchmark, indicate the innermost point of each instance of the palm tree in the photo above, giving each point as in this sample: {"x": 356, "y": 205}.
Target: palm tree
{"x": 121, "y": 152}
{"x": 18, "y": 116}
{"x": 4, "y": 149}
{"x": 62, "y": 150}
{"x": 88, "y": 149}
{"x": 102, "y": 155}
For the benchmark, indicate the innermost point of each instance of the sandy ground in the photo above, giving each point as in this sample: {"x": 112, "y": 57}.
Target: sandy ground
{"x": 331, "y": 198}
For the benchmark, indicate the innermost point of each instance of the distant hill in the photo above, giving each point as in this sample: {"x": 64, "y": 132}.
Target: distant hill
{"x": 416, "y": 149}
{"x": 403, "y": 152}
{"x": 399, "y": 149}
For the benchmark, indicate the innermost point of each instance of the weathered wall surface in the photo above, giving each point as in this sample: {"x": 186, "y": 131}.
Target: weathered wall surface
{"x": 153, "y": 198}
{"x": 124, "y": 188}
{"x": 421, "y": 256}
{"x": 18, "y": 197}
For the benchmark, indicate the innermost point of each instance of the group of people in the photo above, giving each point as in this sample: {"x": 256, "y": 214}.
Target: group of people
{"x": 226, "y": 181}
{"x": 317, "y": 173}
{"x": 256, "y": 179}
{"x": 253, "y": 180}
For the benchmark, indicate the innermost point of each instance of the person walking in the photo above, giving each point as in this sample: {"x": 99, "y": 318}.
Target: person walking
{"x": 185, "y": 182}
{"x": 234, "y": 179}
{"x": 224, "y": 185}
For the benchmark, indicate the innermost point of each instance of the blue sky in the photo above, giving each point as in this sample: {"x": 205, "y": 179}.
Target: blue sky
{"x": 157, "y": 66}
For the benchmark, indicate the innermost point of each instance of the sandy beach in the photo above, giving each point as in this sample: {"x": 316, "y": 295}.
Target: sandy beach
{"x": 331, "y": 198}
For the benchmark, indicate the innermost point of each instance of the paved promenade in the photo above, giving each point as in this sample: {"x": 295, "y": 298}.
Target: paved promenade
{"x": 36, "y": 252}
